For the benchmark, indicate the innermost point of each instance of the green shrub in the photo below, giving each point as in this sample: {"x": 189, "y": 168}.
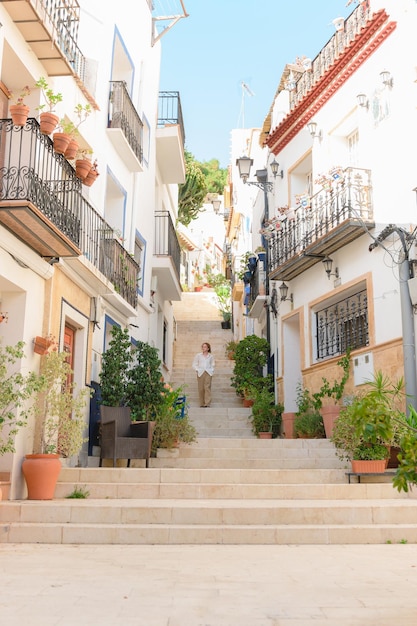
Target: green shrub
{"x": 309, "y": 424}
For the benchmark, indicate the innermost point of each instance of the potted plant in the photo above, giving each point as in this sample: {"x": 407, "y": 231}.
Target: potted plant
{"x": 368, "y": 421}
{"x": 171, "y": 427}
{"x": 334, "y": 391}
{"x": 266, "y": 415}
{"x": 19, "y": 110}
{"x": 64, "y": 137}
{"x": 251, "y": 356}
{"x": 60, "y": 425}
{"x": 309, "y": 425}
{"x": 92, "y": 175}
{"x": 230, "y": 349}
{"x": 48, "y": 120}
{"x": 83, "y": 164}
{"x": 16, "y": 390}
{"x": 223, "y": 290}
{"x": 116, "y": 362}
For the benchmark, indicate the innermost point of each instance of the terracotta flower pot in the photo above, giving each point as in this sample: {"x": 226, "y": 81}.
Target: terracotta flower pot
{"x": 369, "y": 466}
{"x": 41, "y": 473}
{"x": 82, "y": 168}
{"x": 288, "y": 425}
{"x": 48, "y": 122}
{"x": 71, "y": 151}
{"x": 91, "y": 177}
{"x": 19, "y": 113}
{"x": 329, "y": 414}
{"x": 42, "y": 345}
{"x": 265, "y": 435}
{"x": 61, "y": 142}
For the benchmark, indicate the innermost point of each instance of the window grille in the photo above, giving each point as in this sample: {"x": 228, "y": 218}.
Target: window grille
{"x": 342, "y": 325}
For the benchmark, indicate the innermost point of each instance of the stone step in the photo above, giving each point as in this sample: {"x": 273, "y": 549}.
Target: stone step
{"x": 166, "y": 521}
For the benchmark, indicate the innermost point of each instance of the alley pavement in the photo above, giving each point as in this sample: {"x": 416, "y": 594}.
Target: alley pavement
{"x": 220, "y": 585}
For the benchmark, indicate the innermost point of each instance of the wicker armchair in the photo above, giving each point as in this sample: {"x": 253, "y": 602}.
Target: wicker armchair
{"x": 120, "y": 438}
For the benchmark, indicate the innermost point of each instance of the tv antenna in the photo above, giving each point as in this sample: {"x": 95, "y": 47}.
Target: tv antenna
{"x": 246, "y": 90}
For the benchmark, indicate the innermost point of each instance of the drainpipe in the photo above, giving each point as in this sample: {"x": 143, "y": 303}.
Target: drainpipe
{"x": 407, "y": 316}
{"x": 409, "y": 347}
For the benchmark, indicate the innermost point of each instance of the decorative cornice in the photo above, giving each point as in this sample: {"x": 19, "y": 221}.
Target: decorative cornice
{"x": 349, "y": 61}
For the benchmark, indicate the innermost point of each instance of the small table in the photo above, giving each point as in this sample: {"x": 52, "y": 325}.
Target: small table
{"x": 359, "y": 474}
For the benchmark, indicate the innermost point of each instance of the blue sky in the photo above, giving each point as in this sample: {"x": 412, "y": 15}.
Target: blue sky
{"x": 223, "y": 43}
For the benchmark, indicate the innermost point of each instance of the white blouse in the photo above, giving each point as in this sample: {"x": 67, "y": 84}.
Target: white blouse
{"x": 203, "y": 363}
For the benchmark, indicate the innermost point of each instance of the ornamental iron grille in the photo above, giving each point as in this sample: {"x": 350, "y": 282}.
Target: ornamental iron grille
{"x": 349, "y": 198}
{"x": 342, "y": 325}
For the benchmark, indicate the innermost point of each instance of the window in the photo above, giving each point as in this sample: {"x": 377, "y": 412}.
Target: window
{"x": 342, "y": 325}
{"x": 353, "y": 148}
{"x": 139, "y": 256}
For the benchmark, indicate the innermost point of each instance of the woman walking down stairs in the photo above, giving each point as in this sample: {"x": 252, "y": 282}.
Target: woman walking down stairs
{"x": 198, "y": 320}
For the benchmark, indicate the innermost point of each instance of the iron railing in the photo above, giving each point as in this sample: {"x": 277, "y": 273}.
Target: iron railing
{"x": 166, "y": 240}
{"x": 336, "y": 45}
{"x": 61, "y": 19}
{"x": 342, "y": 325}
{"x": 170, "y": 111}
{"x": 348, "y": 198}
{"x": 32, "y": 172}
{"x": 123, "y": 115}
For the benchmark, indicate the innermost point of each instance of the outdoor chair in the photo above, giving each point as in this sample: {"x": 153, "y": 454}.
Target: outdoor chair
{"x": 120, "y": 438}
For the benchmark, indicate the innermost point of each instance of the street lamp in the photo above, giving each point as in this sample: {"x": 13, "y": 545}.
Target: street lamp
{"x": 244, "y": 164}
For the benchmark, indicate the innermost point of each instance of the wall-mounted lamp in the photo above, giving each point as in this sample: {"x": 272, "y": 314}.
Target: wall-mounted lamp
{"x": 274, "y": 169}
{"x": 312, "y": 129}
{"x": 216, "y": 205}
{"x": 244, "y": 163}
{"x": 283, "y": 290}
{"x": 362, "y": 100}
{"x": 328, "y": 263}
{"x": 387, "y": 79}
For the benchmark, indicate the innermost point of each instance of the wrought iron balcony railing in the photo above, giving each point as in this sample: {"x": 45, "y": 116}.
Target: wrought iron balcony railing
{"x": 170, "y": 111}
{"x": 41, "y": 202}
{"x": 338, "y": 43}
{"x": 166, "y": 240}
{"x": 123, "y": 115}
{"x": 346, "y": 202}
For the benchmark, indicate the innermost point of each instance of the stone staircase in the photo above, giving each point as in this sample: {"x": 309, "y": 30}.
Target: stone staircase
{"x": 227, "y": 488}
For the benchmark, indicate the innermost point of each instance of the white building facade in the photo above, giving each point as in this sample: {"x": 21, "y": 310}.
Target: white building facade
{"x": 76, "y": 259}
{"x": 342, "y": 126}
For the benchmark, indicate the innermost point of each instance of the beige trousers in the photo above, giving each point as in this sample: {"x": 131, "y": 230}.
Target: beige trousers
{"x": 204, "y": 389}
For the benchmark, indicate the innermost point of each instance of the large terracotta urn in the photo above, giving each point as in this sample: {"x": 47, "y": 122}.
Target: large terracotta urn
{"x": 288, "y": 425}
{"x": 41, "y": 473}
{"x": 329, "y": 414}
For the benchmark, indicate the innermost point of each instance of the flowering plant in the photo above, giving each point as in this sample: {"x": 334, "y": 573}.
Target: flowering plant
{"x": 19, "y": 99}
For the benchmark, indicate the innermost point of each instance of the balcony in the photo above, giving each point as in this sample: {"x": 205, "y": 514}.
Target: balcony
{"x": 41, "y": 203}
{"x": 306, "y": 77}
{"x": 167, "y": 257}
{"x": 170, "y": 138}
{"x": 330, "y": 220}
{"x": 257, "y": 296}
{"x": 125, "y": 128}
{"x": 50, "y": 27}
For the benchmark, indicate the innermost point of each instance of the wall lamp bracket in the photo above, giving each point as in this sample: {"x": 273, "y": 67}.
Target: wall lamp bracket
{"x": 362, "y": 101}
{"x": 283, "y": 290}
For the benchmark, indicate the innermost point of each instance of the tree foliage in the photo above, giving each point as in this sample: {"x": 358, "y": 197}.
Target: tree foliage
{"x": 200, "y": 179}
{"x": 191, "y": 194}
